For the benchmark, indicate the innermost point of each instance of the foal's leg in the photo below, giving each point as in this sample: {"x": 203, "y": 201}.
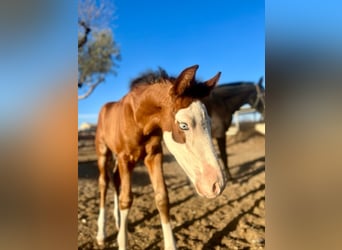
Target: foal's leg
{"x": 153, "y": 162}
{"x": 116, "y": 183}
{"x": 103, "y": 185}
{"x": 221, "y": 142}
{"x": 125, "y": 199}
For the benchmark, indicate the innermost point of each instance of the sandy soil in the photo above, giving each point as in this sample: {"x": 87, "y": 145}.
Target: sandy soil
{"x": 234, "y": 220}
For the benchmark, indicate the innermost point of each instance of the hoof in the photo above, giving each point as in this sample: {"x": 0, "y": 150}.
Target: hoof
{"x": 100, "y": 242}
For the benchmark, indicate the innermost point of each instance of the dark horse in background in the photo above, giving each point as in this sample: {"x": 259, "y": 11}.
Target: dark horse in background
{"x": 223, "y": 101}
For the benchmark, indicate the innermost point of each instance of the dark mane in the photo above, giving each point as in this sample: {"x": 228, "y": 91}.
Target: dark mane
{"x": 198, "y": 90}
{"x": 232, "y": 89}
{"x": 150, "y": 77}
{"x": 234, "y": 84}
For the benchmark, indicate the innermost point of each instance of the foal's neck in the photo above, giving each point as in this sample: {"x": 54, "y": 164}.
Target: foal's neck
{"x": 151, "y": 106}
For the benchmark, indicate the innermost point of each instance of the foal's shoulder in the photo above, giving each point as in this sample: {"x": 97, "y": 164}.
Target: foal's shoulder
{"x": 107, "y": 108}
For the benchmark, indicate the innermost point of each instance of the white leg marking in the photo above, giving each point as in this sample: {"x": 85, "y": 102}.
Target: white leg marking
{"x": 101, "y": 223}
{"x": 169, "y": 241}
{"x": 116, "y": 211}
{"x": 122, "y": 235}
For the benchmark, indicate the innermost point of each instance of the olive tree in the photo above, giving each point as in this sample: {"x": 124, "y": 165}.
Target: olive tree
{"x": 98, "y": 52}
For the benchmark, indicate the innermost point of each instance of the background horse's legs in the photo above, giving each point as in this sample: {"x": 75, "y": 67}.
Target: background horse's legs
{"x": 103, "y": 185}
{"x": 219, "y": 125}
{"x": 125, "y": 198}
{"x": 221, "y": 142}
{"x": 153, "y": 162}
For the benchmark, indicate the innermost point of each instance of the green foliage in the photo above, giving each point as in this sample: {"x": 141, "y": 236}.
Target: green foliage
{"x": 98, "y": 57}
{"x": 98, "y": 53}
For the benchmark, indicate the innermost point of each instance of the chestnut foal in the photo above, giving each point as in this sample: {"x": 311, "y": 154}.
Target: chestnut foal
{"x": 157, "y": 107}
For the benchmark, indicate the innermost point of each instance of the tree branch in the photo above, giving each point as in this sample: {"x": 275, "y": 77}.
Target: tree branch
{"x": 91, "y": 89}
{"x": 87, "y": 30}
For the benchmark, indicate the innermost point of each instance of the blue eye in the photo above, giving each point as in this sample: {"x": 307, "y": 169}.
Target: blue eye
{"x": 183, "y": 126}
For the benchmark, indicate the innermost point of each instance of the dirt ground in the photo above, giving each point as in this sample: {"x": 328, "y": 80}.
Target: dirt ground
{"x": 234, "y": 220}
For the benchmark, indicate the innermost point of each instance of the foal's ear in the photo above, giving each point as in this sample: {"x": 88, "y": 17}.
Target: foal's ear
{"x": 184, "y": 80}
{"x": 203, "y": 90}
{"x": 211, "y": 83}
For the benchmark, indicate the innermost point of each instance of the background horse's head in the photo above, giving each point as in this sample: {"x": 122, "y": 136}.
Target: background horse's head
{"x": 187, "y": 133}
{"x": 257, "y": 99}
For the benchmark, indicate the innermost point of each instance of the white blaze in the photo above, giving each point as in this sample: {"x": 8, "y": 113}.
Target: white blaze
{"x": 197, "y": 152}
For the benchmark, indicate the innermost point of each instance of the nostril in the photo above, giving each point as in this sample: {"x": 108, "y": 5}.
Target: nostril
{"x": 216, "y": 188}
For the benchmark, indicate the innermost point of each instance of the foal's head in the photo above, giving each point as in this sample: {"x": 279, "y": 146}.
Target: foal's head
{"x": 187, "y": 133}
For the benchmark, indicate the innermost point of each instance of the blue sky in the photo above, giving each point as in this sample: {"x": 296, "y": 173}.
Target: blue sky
{"x": 221, "y": 35}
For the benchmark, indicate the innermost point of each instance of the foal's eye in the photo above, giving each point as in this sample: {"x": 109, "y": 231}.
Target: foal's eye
{"x": 183, "y": 126}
